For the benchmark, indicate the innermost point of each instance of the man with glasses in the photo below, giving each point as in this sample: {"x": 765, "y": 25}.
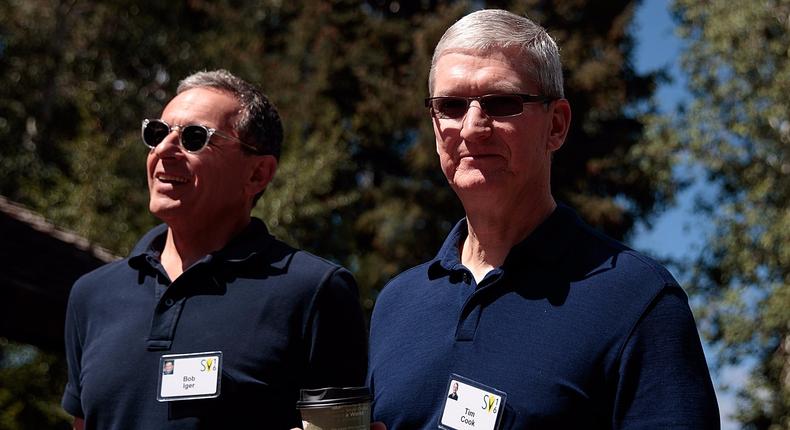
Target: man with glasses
{"x": 244, "y": 320}
{"x": 538, "y": 320}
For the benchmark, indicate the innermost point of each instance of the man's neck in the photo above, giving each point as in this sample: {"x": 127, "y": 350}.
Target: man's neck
{"x": 184, "y": 246}
{"x": 493, "y": 231}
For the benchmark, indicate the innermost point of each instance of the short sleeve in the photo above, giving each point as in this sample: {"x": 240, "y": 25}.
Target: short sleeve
{"x": 337, "y": 336}
{"x": 663, "y": 379}
{"x": 71, "y": 396}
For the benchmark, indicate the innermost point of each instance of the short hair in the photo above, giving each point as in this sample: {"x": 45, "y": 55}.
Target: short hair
{"x": 492, "y": 30}
{"x": 259, "y": 122}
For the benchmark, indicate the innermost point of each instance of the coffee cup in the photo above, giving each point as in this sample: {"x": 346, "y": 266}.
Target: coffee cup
{"x": 335, "y": 408}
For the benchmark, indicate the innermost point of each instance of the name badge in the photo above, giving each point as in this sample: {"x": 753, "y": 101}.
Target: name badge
{"x": 471, "y": 405}
{"x": 189, "y": 376}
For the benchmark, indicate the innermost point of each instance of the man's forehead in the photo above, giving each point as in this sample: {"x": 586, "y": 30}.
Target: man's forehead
{"x": 488, "y": 51}
{"x": 495, "y": 71}
{"x": 514, "y": 54}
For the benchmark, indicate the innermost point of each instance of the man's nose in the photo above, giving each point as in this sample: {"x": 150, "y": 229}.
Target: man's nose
{"x": 476, "y": 125}
{"x": 169, "y": 145}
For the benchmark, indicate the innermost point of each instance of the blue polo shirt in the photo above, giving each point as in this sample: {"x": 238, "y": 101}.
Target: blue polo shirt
{"x": 284, "y": 319}
{"x": 578, "y": 330}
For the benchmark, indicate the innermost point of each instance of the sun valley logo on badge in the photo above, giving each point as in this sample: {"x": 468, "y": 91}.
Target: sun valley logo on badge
{"x": 208, "y": 365}
{"x": 490, "y": 403}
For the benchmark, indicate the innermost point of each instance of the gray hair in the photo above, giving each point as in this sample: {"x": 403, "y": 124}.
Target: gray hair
{"x": 259, "y": 123}
{"x": 492, "y": 30}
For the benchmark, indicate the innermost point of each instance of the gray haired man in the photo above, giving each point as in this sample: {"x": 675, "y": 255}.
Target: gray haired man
{"x": 538, "y": 320}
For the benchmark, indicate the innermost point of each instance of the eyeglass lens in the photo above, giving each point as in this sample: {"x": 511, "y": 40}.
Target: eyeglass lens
{"x": 492, "y": 105}
{"x": 193, "y": 137}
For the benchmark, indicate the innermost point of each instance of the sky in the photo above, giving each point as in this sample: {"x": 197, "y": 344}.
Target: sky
{"x": 672, "y": 234}
{"x": 675, "y": 233}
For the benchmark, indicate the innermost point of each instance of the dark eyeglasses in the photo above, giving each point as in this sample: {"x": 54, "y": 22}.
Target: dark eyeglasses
{"x": 493, "y": 105}
{"x": 193, "y": 137}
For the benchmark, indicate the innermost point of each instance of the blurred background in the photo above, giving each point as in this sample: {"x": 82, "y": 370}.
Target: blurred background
{"x": 679, "y": 147}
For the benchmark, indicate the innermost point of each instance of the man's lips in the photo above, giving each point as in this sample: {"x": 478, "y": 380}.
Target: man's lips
{"x": 171, "y": 179}
{"x": 478, "y": 156}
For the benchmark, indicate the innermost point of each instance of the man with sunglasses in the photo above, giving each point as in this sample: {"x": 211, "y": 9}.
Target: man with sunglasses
{"x": 538, "y": 320}
{"x": 243, "y": 320}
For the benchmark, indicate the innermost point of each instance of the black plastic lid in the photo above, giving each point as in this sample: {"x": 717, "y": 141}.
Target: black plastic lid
{"x": 332, "y": 396}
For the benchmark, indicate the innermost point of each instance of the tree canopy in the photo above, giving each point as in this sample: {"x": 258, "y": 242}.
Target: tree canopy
{"x": 358, "y": 181}
{"x": 737, "y": 129}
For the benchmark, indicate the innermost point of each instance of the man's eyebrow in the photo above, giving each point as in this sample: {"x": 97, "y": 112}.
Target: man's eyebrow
{"x": 507, "y": 87}
{"x": 504, "y": 88}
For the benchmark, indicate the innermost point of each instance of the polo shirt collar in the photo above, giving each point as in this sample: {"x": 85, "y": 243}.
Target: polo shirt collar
{"x": 547, "y": 244}
{"x": 449, "y": 256}
{"x": 253, "y": 240}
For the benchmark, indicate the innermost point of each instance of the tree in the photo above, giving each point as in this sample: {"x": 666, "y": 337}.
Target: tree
{"x": 604, "y": 169}
{"x": 395, "y": 206}
{"x": 30, "y": 381}
{"x": 737, "y": 129}
{"x": 358, "y": 180}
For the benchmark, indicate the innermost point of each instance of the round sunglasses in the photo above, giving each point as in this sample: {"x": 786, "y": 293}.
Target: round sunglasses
{"x": 192, "y": 137}
{"x": 493, "y": 105}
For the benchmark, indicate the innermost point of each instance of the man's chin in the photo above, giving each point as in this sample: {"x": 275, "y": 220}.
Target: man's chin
{"x": 477, "y": 183}
{"x": 165, "y": 210}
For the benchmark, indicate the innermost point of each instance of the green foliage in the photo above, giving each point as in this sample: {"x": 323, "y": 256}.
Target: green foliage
{"x": 738, "y": 129}
{"x": 595, "y": 170}
{"x": 358, "y": 181}
{"x": 33, "y": 382}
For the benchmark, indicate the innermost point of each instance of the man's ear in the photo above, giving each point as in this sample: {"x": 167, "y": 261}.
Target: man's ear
{"x": 560, "y": 111}
{"x": 262, "y": 173}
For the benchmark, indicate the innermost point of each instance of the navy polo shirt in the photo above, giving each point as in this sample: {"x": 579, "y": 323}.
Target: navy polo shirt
{"x": 578, "y": 330}
{"x": 284, "y": 319}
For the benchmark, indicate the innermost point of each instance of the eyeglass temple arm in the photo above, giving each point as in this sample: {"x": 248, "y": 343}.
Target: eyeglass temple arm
{"x": 236, "y": 139}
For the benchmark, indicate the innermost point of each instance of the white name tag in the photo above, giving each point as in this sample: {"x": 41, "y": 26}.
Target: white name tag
{"x": 189, "y": 376}
{"x": 471, "y": 405}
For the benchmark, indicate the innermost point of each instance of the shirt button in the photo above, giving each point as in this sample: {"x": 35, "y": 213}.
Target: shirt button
{"x": 169, "y": 302}
{"x": 466, "y": 278}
